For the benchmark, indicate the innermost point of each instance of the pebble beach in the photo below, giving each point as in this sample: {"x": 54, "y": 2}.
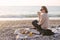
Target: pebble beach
{"x": 7, "y": 27}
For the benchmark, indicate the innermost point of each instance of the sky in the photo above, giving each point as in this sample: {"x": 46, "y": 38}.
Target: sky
{"x": 5, "y": 10}
{"x": 29, "y": 2}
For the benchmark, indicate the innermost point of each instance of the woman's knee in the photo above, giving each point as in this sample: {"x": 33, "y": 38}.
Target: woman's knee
{"x": 34, "y": 22}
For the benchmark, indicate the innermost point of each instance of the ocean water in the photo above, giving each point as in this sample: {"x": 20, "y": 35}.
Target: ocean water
{"x": 27, "y": 11}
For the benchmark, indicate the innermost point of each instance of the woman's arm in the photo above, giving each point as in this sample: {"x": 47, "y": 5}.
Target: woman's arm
{"x": 42, "y": 19}
{"x": 39, "y": 17}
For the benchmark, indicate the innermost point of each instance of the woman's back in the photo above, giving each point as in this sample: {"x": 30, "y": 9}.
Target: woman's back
{"x": 45, "y": 20}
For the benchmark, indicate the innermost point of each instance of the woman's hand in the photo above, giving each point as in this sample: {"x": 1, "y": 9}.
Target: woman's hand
{"x": 38, "y": 23}
{"x": 39, "y": 17}
{"x": 38, "y": 13}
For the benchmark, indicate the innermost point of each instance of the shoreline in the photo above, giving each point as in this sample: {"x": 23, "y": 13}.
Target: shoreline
{"x": 52, "y": 21}
{"x": 12, "y": 19}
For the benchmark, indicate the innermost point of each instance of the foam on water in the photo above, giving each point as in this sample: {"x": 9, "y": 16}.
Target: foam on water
{"x": 4, "y": 19}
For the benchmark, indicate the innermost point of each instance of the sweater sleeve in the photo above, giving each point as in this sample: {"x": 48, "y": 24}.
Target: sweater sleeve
{"x": 42, "y": 19}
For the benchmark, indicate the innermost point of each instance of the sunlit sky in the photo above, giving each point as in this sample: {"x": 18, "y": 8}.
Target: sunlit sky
{"x": 29, "y": 2}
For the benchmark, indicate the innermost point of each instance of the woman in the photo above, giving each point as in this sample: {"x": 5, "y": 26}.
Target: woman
{"x": 43, "y": 17}
{"x": 42, "y": 24}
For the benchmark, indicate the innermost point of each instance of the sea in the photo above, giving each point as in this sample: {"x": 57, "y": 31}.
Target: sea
{"x": 22, "y": 12}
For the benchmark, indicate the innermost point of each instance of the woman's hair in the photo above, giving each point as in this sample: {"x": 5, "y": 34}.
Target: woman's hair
{"x": 44, "y": 8}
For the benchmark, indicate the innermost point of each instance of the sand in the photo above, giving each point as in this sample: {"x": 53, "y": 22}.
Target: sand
{"x": 7, "y": 28}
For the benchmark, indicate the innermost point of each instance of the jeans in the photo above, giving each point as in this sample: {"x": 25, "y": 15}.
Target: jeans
{"x": 47, "y": 32}
{"x": 38, "y": 27}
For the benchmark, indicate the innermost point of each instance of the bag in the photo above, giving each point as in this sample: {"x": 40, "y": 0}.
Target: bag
{"x": 47, "y": 32}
